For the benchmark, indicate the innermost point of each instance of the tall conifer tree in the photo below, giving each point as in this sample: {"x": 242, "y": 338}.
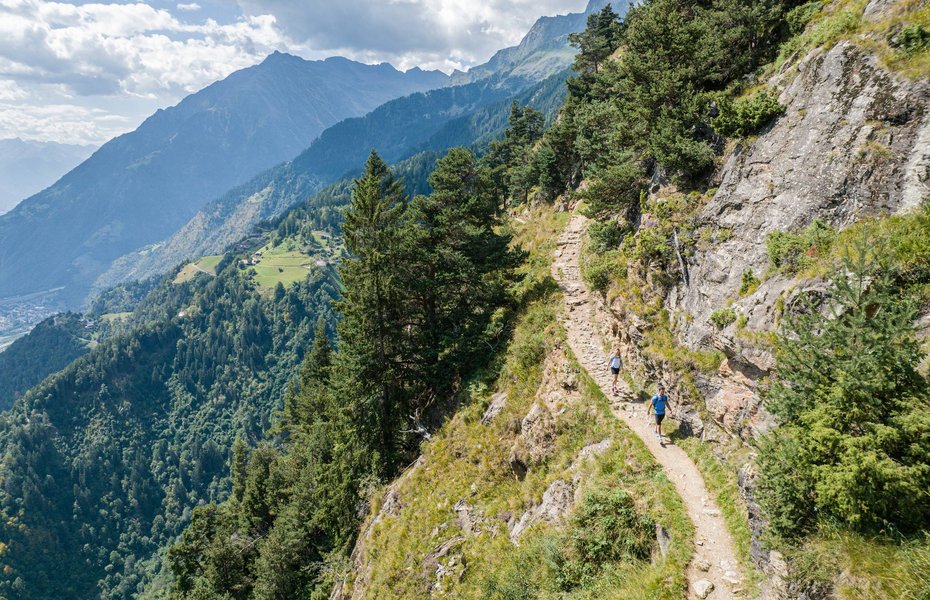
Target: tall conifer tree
{"x": 371, "y": 307}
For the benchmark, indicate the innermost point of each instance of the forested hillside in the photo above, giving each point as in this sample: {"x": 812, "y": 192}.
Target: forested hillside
{"x": 427, "y": 293}
{"x": 184, "y": 366}
{"x": 50, "y": 347}
{"x": 129, "y": 438}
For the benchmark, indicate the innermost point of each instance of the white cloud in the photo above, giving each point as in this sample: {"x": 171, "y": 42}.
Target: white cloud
{"x": 83, "y": 72}
{"x": 10, "y": 90}
{"x": 67, "y": 123}
{"x": 53, "y": 52}
{"x": 442, "y": 34}
{"x": 125, "y": 48}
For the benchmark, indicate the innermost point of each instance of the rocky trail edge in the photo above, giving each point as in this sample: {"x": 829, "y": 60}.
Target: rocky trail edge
{"x": 714, "y": 570}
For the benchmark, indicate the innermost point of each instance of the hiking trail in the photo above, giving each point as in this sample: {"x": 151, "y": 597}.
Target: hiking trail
{"x": 714, "y": 557}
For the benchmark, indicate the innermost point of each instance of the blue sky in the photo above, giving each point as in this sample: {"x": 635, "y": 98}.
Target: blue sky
{"x": 82, "y": 72}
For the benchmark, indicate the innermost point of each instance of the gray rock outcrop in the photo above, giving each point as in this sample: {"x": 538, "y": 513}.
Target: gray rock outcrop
{"x": 854, "y": 141}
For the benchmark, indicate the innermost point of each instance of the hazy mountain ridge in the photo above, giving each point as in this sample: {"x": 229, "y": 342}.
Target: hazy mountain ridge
{"x": 543, "y": 52}
{"x": 28, "y": 166}
{"x": 468, "y": 114}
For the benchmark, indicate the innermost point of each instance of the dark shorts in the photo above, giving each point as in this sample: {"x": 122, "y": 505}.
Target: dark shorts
{"x": 615, "y": 370}
{"x": 659, "y": 418}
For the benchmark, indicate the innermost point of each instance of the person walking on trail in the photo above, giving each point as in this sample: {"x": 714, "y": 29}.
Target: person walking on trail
{"x": 615, "y": 363}
{"x": 659, "y": 405}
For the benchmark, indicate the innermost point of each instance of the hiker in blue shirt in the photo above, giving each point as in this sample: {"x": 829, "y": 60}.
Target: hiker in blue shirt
{"x": 659, "y": 405}
{"x": 614, "y": 362}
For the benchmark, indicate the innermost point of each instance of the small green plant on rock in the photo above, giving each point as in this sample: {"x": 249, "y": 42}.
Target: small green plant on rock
{"x": 600, "y": 270}
{"x": 791, "y": 253}
{"x": 723, "y": 317}
{"x": 912, "y": 39}
{"x": 746, "y": 116}
{"x": 749, "y": 283}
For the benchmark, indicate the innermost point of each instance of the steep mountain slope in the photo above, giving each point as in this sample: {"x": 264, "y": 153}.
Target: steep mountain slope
{"x": 28, "y": 167}
{"x": 195, "y": 361}
{"x": 435, "y": 121}
{"x": 105, "y": 460}
{"x": 142, "y": 186}
{"x": 49, "y": 347}
{"x": 533, "y": 489}
{"x": 755, "y": 286}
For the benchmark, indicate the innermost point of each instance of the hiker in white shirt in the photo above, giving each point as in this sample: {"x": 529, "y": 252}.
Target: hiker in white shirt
{"x": 615, "y": 363}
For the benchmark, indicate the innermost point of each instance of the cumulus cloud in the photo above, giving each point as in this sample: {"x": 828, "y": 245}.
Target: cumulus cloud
{"x": 81, "y": 72}
{"x": 67, "y": 123}
{"x": 442, "y": 34}
{"x": 54, "y": 52}
{"x": 124, "y": 48}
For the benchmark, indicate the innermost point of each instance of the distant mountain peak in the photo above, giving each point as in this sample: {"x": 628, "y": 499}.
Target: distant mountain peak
{"x": 596, "y": 5}
{"x": 543, "y": 51}
{"x": 277, "y": 55}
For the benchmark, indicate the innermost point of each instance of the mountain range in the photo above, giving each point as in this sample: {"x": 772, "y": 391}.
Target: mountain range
{"x": 543, "y": 51}
{"x": 357, "y": 379}
{"x": 211, "y": 355}
{"x": 27, "y": 167}
{"x": 142, "y": 186}
{"x": 474, "y": 106}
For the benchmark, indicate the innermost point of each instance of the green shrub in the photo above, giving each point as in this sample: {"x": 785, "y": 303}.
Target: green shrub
{"x": 792, "y": 253}
{"x": 600, "y": 270}
{"x": 653, "y": 246}
{"x": 913, "y": 39}
{"x": 614, "y": 190}
{"x": 607, "y": 235}
{"x": 746, "y": 116}
{"x": 723, "y": 317}
{"x": 749, "y": 283}
{"x": 798, "y": 17}
{"x": 854, "y": 446}
{"x": 606, "y": 528}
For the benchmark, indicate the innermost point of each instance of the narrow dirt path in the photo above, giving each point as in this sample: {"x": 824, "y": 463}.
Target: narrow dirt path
{"x": 714, "y": 557}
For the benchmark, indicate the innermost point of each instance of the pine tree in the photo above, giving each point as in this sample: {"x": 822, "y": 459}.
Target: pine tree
{"x": 855, "y": 437}
{"x": 513, "y": 169}
{"x": 240, "y": 462}
{"x": 598, "y": 41}
{"x": 305, "y": 401}
{"x": 372, "y": 307}
{"x": 459, "y": 267}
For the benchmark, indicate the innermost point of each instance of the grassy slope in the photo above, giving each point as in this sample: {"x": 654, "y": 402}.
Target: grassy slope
{"x": 467, "y": 460}
{"x": 843, "y": 20}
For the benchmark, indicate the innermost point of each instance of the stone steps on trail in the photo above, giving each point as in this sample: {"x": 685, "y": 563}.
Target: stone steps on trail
{"x": 713, "y": 573}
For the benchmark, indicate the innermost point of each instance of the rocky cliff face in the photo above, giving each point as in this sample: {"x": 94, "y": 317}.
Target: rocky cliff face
{"x": 854, "y": 142}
